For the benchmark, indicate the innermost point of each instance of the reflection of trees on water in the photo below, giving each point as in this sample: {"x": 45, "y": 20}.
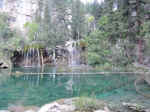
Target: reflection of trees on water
{"x": 36, "y": 78}
{"x": 69, "y": 83}
{"x": 75, "y": 84}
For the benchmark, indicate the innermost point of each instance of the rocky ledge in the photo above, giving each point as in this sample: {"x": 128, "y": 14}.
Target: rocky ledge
{"x": 79, "y": 105}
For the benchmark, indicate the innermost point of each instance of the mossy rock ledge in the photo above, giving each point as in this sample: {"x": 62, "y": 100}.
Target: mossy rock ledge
{"x": 75, "y": 105}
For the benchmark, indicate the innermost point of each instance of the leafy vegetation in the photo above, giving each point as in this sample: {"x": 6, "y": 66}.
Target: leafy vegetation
{"x": 9, "y": 37}
{"x": 116, "y": 40}
{"x": 88, "y": 104}
{"x": 32, "y": 28}
{"x": 114, "y": 33}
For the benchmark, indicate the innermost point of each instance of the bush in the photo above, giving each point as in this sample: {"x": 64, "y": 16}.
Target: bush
{"x": 32, "y": 28}
{"x": 89, "y": 104}
{"x": 98, "y": 48}
{"x": 10, "y": 39}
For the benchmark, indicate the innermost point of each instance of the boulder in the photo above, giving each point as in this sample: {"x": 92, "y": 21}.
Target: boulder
{"x": 55, "y": 107}
{"x": 63, "y": 105}
{"x": 30, "y": 110}
{"x": 3, "y": 65}
{"x": 106, "y": 109}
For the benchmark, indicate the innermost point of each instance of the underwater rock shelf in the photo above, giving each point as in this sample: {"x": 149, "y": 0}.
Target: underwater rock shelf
{"x": 46, "y": 88}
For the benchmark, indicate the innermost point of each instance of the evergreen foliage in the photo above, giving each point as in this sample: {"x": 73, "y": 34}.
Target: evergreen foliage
{"x": 114, "y": 27}
{"x": 9, "y": 38}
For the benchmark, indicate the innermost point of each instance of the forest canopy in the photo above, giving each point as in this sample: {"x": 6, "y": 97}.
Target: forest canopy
{"x": 114, "y": 32}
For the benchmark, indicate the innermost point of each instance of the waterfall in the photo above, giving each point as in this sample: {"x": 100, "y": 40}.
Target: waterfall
{"x": 38, "y": 57}
{"x": 54, "y": 56}
{"x": 73, "y": 53}
{"x": 73, "y": 57}
{"x": 27, "y": 59}
{"x": 33, "y": 57}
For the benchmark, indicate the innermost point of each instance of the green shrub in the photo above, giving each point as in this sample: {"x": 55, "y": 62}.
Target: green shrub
{"x": 9, "y": 38}
{"x": 98, "y": 48}
{"x": 32, "y": 28}
{"x": 88, "y": 104}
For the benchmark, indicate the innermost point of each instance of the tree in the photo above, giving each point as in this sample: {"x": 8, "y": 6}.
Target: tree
{"x": 137, "y": 14}
{"x": 9, "y": 38}
{"x": 54, "y": 22}
{"x": 78, "y": 20}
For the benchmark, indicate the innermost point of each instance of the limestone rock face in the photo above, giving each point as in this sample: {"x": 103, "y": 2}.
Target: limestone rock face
{"x": 21, "y": 11}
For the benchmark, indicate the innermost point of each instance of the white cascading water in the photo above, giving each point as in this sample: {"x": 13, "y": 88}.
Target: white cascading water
{"x": 54, "y": 56}
{"x": 27, "y": 59}
{"x": 33, "y": 54}
{"x": 38, "y": 61}
{"x": 73, "y": 53}
{"x": 32, "y": 58}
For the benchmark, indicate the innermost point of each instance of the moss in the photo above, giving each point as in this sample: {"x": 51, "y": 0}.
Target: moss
{"x": 89, "y": 104}
{"x": 83, "y": 43}
{"x": 35, "y": 46}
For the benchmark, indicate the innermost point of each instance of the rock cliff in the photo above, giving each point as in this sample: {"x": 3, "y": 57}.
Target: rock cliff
{"x": 21, "y": 11}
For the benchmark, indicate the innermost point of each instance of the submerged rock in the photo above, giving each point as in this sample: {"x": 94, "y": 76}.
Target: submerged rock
{"x": 17, "y": 74}
{"x": 20, "y": 108}
{"x": 4, "y": 111}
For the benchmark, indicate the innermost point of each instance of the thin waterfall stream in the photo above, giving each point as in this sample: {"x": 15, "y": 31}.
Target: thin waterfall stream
{"x": 33, "y": 57}
{"x": 74, "y": 55}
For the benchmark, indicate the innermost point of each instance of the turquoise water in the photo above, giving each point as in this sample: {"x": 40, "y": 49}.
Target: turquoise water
{"x": 39, "y": 89}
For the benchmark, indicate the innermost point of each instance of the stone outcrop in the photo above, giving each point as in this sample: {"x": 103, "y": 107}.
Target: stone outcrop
{"x": 21, "y": 11}
{"x": 3, "y": 65}
{"x": 69, "y": 105}
{"x": 20, "y": 108}
{"x": 55, "y": 107}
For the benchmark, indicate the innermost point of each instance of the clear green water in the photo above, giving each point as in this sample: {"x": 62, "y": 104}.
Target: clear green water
{"x": 41, "y": 89}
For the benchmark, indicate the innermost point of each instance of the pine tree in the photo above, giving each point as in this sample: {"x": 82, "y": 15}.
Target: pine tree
{"x": 78, "y": 20}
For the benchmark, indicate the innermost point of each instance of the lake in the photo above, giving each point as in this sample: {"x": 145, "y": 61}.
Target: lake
{"x": 32, "y": 87}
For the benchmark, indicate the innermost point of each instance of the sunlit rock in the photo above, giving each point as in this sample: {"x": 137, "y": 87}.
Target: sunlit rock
{"x": 30, "y": 111}
{"x": 65, "y": 105}
{"x": 20, "y": 108}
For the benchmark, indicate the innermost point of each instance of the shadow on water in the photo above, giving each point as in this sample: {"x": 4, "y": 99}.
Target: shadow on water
{"x": 38, "y": 89}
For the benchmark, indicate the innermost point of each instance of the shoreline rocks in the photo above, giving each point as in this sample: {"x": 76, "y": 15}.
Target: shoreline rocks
{"x": 69, "y": 105}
